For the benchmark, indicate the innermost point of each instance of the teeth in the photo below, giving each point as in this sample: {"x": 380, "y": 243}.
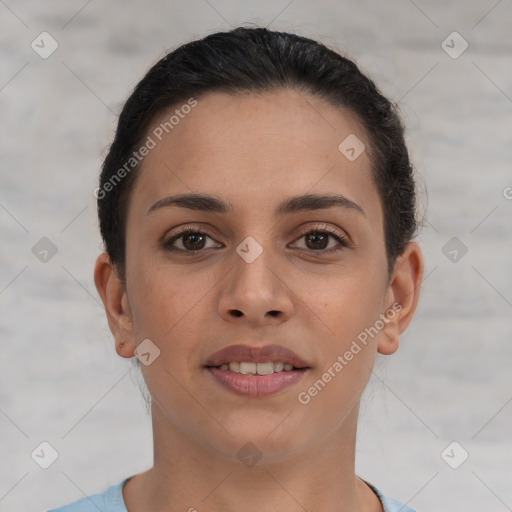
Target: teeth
{"x": 264, "y": 368}
{"x": 234, "y": 367}
{"x": 247, "y": 368}
{"x": 278, "y": 367}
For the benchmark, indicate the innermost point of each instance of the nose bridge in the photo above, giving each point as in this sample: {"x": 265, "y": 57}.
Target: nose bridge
{"x": 253, "y": 268}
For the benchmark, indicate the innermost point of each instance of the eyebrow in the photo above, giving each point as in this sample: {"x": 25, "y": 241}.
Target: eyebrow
{"x": 209, "y": 203}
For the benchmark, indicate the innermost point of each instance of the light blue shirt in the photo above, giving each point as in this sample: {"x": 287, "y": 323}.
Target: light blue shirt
{"x": 111, "y": 500}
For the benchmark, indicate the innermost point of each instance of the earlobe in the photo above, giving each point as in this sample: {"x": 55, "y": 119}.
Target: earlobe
{"x": 401, "y": 297}
{"x": 115, "y": 302}
{"x": 389, "y": 337}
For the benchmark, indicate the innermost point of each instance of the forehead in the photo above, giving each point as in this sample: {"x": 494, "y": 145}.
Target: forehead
{"x": 255, "y": 148}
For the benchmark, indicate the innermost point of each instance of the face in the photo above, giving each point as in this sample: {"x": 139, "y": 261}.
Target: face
{"x": 259, "y": 266}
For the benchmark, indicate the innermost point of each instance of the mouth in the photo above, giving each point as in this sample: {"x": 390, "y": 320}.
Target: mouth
{"x": 262, "y": 368}
{"x": 256, "y": 371}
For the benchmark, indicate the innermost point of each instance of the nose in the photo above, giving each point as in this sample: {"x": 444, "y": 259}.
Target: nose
{"x": 256, "y": 293}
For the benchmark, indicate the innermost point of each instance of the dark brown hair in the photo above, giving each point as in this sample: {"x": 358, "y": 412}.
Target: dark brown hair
{"x": 259, "y": 60}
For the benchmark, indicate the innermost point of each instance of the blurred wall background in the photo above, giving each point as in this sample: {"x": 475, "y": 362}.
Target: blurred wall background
{"x": 66, "y": 69}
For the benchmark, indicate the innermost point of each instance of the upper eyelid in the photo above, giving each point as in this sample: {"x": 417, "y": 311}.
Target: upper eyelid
{"x": 323, "y": 226}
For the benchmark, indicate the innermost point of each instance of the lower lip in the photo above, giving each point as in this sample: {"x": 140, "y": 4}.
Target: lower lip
{"x": 256, "y": 385}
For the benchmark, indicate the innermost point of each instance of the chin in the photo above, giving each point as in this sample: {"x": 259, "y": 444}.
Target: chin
{"x": 267, "y": 441}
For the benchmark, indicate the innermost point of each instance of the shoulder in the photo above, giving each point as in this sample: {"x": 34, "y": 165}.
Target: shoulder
{"x": 110, "y": 500}
{"x": 389, "y": 504}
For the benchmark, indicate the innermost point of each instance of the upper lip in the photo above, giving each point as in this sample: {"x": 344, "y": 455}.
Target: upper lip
{"x": 238, "y": 353}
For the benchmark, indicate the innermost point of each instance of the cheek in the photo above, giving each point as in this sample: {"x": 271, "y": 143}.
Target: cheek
{"x": 346, "y": 340}
{"x": 168, "y": 307}
{"x": 349, "y": 302}
{"x": 160, "y": 300}
{"x": 347, "y": 345}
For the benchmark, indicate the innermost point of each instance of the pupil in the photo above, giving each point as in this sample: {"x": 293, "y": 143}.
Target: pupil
{"x": 316, "y": 237}
{"x": 193, "y": 236}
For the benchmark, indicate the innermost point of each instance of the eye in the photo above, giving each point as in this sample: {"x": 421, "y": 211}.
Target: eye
{"x": 191, "y": 240}
{"x": 318, "y": 239}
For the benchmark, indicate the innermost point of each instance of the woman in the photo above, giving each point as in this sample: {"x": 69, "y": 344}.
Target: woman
{"x": 257, "y": 207}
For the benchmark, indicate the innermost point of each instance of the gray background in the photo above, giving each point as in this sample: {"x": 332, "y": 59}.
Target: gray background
{"x": 61, "y": 380}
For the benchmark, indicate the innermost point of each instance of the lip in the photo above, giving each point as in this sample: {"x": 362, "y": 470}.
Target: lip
{"x": 251, "y": 354}
{"x": 256, "y": 385}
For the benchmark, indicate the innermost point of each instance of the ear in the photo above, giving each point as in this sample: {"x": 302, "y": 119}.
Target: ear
{"x": 115, "y": 301}
{"x": 401, "y": 298}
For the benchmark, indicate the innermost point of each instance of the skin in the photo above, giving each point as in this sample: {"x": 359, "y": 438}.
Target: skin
{"x": 254, "y": 151}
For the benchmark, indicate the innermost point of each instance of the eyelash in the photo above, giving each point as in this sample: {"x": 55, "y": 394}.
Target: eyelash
{"x": 342, "y": 241}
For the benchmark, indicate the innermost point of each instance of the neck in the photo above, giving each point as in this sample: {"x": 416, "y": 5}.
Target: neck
{"x": 188, "y": 475}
